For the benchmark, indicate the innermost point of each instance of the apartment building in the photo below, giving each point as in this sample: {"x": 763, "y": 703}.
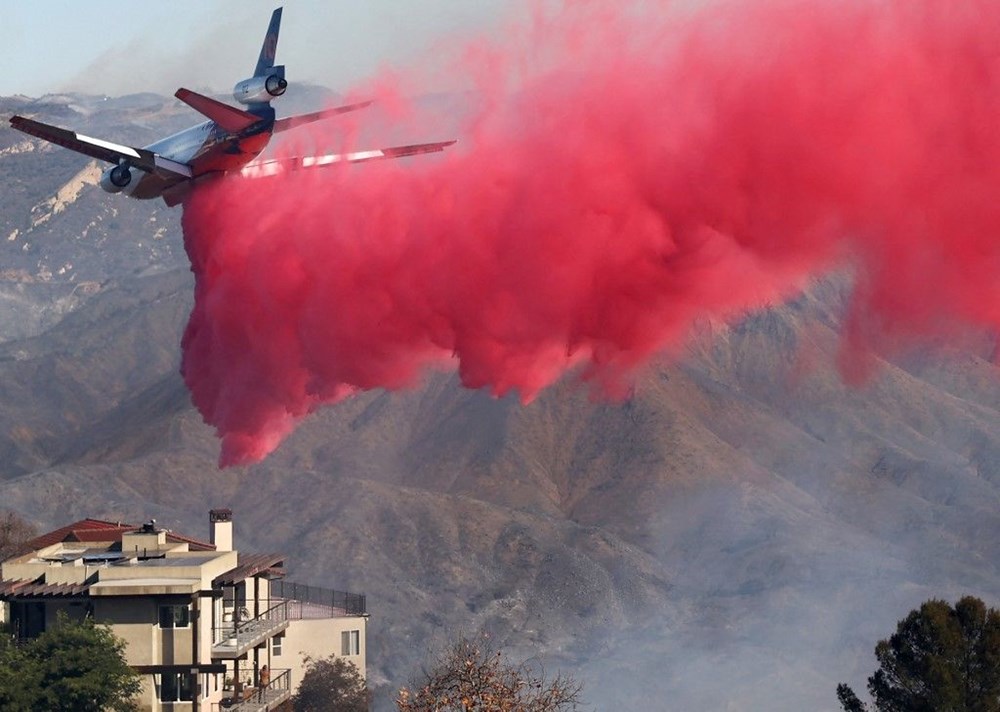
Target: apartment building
{"x": 200, "y": 619}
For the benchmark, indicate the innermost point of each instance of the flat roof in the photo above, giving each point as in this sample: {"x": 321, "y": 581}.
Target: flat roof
{"x": 66, "y": 554}
{"x": 169, "y": 561}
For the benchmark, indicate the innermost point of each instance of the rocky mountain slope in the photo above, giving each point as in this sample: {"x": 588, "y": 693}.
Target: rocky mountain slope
{"x": 735, "y": 536}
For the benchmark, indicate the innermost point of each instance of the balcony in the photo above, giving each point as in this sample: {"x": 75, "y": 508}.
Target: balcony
{"x": 252, "y": 700}
{"x": 235, "y": 639}
{"x": 316, "y": 602}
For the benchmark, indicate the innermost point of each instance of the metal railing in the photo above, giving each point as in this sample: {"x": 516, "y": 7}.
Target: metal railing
{"x": 353, "y": 604}
{"x": 234, "y": 638}
{"x": 253, "y": 699}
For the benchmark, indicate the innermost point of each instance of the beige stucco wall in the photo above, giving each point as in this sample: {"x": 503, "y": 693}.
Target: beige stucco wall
{"x": 54, "y": 573}
{"x": 147, "y": 697}
{"x": 179, "y": 565}
{"x": 203, "y": 621}
{"x": 75, "y": 610}
{"x": 139, "y": 542}
{"x": 318, "y": 638}
{"x": 136, "y": 621}
{"x": 222, "y": 535}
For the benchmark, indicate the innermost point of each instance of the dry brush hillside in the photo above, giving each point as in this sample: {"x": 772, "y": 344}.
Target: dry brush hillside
{"x": 735, "y": 536}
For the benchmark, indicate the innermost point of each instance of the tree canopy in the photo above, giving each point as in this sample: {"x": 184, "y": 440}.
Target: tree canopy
{"x": 472, "y": 676}
{"x": 941, "y": 659}
{"x": 15, "y": 691}
{"x": 331, "y": 685}
{"x": 14, "y": 532}
{"x": 72, "y": 667}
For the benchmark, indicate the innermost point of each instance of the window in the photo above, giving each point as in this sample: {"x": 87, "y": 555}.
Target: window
{"x": 176, "y": 687}
{"x": 175, "y": 616}
{"x": 276, "y": 642}
{"x": 350, "y": 642}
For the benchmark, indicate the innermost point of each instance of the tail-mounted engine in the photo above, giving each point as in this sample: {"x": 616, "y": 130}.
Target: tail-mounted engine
{"x": 257, "y": 90}
{"x": 116, "y": 178}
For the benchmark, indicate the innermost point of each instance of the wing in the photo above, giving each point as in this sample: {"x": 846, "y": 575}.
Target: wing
{"x": 93, "y": 147}
{"x": 98, "y": 148}
{"x": 263, "y": 169}
{"x": 293, "y": 121}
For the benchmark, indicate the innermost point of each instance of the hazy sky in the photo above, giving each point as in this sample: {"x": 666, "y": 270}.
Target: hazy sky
{"x": 116, "y": 47}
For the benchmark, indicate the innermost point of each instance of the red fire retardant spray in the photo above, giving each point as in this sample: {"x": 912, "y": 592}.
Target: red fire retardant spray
{"x": 631, "y": 169}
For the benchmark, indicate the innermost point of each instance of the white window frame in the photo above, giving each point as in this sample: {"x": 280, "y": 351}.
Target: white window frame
{"x": 276, "y": 644}
{"x": 178, "y": 686}
{"x": 350, "y": 642}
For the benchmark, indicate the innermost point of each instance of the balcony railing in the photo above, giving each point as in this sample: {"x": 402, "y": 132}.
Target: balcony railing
{"x": 236, "y": 638}
{"x": 350, "y": 604}
{"x": 252, "y": 699}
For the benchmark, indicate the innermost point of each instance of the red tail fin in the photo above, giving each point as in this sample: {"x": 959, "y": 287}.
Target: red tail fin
{"x": 228, "y": 117}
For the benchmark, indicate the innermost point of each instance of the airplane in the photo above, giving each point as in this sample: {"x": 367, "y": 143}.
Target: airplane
{"x": 226, "y": 144}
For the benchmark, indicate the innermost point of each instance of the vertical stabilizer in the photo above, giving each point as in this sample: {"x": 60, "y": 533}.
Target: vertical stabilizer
{"x": 270, "y": 46}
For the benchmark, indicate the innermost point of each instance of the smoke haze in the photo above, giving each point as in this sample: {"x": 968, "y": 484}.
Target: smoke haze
{"x": 628, "y": 172}
{"x": 213, "y": 46}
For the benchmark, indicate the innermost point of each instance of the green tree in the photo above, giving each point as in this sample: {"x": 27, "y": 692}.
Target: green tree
{"x": 72, "y": 667}
{"x": 18, "y": 682}
{"x": 941, "y": 659}
{"x": 331, "y": 685}
{"x": 473, "y": 676}
{"x": 848, "y": 700}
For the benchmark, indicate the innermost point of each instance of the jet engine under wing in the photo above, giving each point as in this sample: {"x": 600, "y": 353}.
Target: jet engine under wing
{"x": 100, "y": 149}
{"x": 293, "y": 121}
{"x": 278, "y": 166}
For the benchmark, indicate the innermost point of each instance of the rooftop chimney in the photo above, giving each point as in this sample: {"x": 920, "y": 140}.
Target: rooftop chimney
{"x": 222, "y": 529}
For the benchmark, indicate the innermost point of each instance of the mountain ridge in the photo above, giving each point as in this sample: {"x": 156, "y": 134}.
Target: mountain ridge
{"x": 744, "y": 516}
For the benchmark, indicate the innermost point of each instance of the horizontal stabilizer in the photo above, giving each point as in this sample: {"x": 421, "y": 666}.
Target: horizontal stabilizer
{"x": 228, "y": 117}
{"x": 292, "y": 122}
{"x": 263, "y": 169}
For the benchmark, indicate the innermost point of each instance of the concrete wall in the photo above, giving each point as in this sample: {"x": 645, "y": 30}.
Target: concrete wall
{"x": 75, "y": 610}
{"x": 177, "y": 565}
{"x": 147, "y": 696}
{"x": 136, "y": 621}
{"x": 318, "y": 638}
{"x": 26, "y": 568}
{"x": 74, "y": 572}
{"x": 203, "y": 620}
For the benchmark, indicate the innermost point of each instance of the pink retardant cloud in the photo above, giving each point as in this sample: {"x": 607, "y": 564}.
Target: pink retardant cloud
{"x": 628, "y": 172}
